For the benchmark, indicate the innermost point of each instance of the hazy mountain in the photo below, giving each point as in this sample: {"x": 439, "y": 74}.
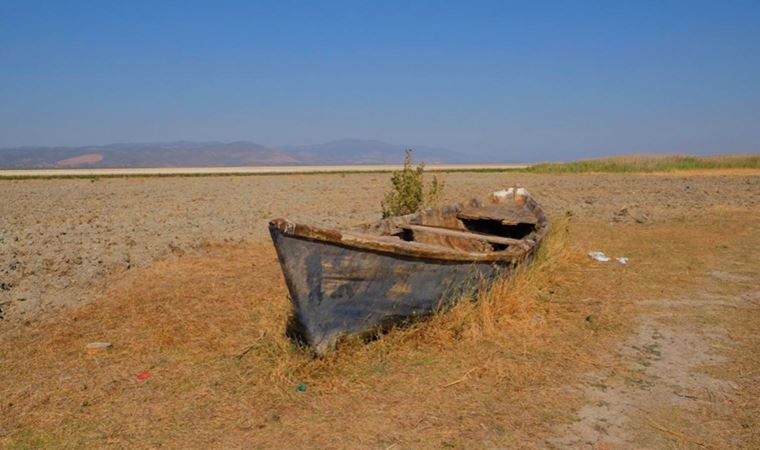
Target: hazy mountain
{"x": 161, "y": 154}
{"x": 217, "y": 154}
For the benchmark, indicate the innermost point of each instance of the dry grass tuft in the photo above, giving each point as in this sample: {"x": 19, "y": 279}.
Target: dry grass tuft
{"x": 508, "y": 303}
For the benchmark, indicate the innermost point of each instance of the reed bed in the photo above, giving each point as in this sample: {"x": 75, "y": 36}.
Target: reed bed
{"x": 648, "y": 164}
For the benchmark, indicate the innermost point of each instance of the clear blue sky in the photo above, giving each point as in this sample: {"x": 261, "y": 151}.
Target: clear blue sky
{"x": 553, "y": 80}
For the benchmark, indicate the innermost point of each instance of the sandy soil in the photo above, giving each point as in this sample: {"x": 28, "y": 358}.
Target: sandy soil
{"x": 61, "y": 239}
{"x": 660, "y": 369}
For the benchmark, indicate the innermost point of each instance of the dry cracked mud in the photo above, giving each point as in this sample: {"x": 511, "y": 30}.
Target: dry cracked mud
{"x": 60, "y": 239}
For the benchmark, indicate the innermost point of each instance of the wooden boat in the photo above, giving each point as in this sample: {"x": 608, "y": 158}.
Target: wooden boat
{"x": 373, "y": 276}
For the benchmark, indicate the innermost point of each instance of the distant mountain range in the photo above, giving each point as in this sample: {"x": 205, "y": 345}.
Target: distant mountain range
{"x": 219, "y": 154}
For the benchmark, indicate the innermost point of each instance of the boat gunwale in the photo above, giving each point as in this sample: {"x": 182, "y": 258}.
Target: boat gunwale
{"x": 376, "y": 243}
{"x": 404, "y": 249}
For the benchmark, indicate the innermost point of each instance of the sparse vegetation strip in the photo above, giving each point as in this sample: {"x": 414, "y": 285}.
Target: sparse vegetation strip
{"x": 622, "y": 164}
{"x": 647, "y": 164}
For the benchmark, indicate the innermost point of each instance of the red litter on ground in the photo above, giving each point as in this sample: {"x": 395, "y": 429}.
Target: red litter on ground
{"x": 143, "y": 375}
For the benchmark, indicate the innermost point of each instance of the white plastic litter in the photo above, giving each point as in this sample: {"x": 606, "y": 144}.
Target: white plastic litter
{"x": 95, "y": 346}
{"x": 599, "y": 256}
{"x": 622, "y": 260}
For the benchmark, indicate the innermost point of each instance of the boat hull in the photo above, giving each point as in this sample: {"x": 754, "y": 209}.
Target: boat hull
{"x": 338, "y": 290}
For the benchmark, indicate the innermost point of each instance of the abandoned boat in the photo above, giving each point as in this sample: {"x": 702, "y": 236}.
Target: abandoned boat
{"x": 372, "y": 276}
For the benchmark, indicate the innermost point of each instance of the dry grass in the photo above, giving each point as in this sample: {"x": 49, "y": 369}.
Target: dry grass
{"x": 210, "y": 331}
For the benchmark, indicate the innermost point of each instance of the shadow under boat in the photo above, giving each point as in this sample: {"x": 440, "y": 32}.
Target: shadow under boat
{"x": 373, "y": 276}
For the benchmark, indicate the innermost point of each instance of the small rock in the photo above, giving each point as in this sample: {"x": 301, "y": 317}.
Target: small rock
{"x": 98, "y": 346}
{"x": 620, "y": 215}
{"x": 642, "y": 219}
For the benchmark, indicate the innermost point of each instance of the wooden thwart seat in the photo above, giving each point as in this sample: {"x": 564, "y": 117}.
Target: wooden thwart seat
{"x": 463, "y": 234}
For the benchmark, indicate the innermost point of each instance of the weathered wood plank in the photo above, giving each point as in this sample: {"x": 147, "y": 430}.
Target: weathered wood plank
{"x": 368, "y": 242}
{"x": 464, "y": 234}
{"x": 395, "y": 240}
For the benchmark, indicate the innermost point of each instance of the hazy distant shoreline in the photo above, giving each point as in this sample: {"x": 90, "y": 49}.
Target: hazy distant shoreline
{"x": 262, "y": 170}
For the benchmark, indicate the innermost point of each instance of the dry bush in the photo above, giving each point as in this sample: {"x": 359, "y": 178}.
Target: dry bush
{"x": 408, "y": 194}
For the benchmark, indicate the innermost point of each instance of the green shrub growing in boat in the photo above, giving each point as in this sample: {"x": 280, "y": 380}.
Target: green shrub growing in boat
{"x": 408, "y": 193}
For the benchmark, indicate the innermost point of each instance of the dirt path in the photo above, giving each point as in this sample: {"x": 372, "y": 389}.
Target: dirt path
{"x": 667, "y": 385}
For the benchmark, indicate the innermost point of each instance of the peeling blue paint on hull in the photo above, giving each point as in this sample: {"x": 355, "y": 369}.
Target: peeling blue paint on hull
{"x": 338, "y": 290}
